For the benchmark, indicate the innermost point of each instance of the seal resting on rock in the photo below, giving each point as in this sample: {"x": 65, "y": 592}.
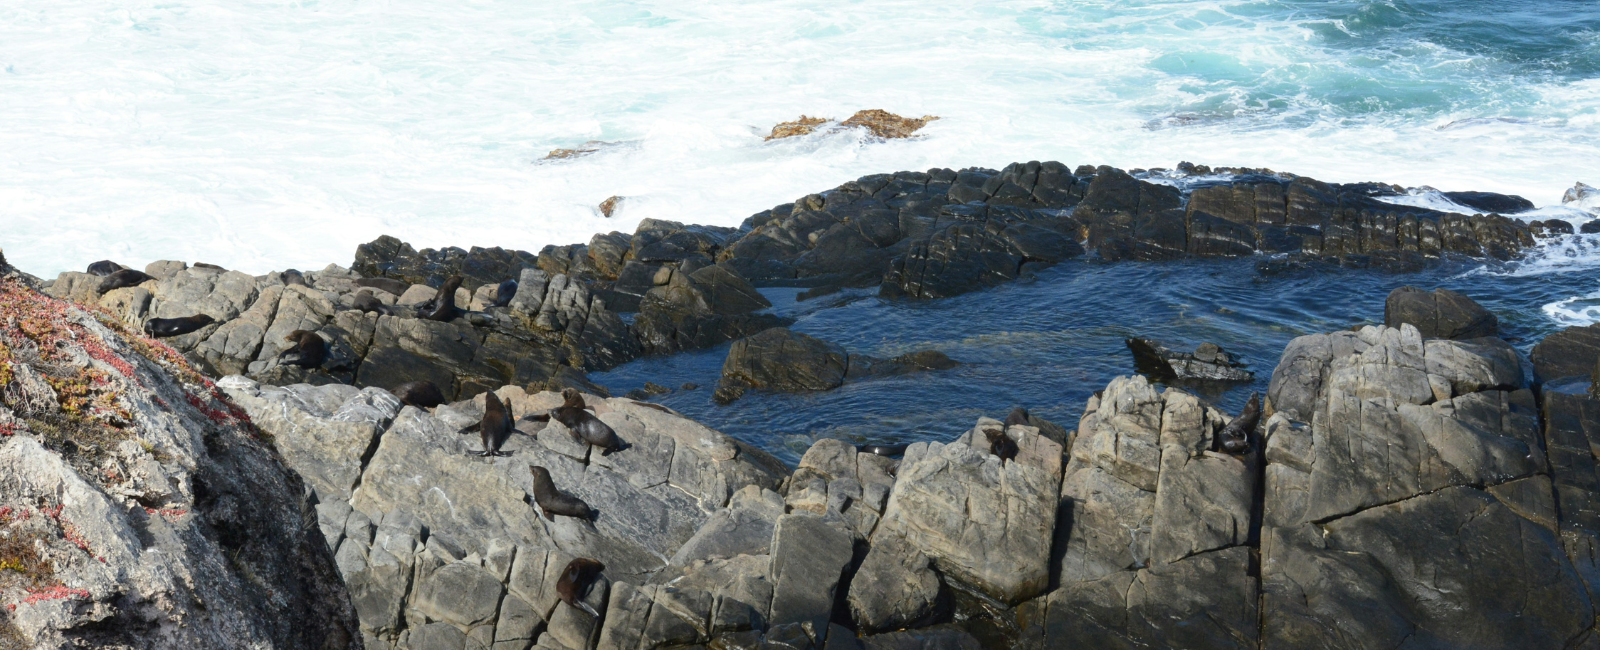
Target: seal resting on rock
{"x": 1235, "y": 438}
{"x": 443, "y": 306}
{"x": 886, "y": 451}
{"x": 1018, "y": 417}
{"x": 104, "y": 268}
{"x": 291, "y": 277}
{"x": 504, "y": 293}
{"x": 161, "y": 328}
{"x": 203, "y": 265}
{"x": 308, "y": 351}
{"x": 1001, "y": 444}
{"x": 495, "y": 426}
{"x": 366, "y": 303}
{"x": 555, "y": 502}
{"x": 123, "y": 278}
{"x": 582, "y": 424}
{"x": 575, "y": 582}
{"x": 421, "y": 394}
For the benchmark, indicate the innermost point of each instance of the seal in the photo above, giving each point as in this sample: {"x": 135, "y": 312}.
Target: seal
{"x": 308, "y": 351}
{"x": 421, "y": 394}
{"x": 1018, "y": 417}
{"x": 555, "y": 502}
{"x": 291, "y": 277}
{"x": 504, "y": 293}
{"x": 161, "y": 328}
{"x": 365, "y": 303}
{"x": 123, "y": 278}
{"x": 1001, "y": 444}
{"x": 203, "y": 265}
{"x": 104, "y": 268}
{"x": 575, "y": 582}
{"x": 391, "y": 285}
{"x": 1235, "y": 438}
{"x": 443, "y": 306}
{"x": 582, "y": 424}
{"x": 887, "y": 451}
{"x": 495, "y": 426}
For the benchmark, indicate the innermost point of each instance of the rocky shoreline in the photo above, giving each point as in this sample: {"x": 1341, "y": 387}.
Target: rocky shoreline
{"x": 1407, "y": 485}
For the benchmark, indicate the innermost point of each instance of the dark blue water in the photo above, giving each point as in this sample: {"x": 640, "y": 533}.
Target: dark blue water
{"x": 1048, "y": 342}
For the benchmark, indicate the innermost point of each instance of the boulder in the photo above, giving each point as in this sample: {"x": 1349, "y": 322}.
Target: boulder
{"x": 895, "y": 587}
{"x": 781, "y": 360}
{"x": 1568, "y": 353}
{"x": 809, "y": 556}
{"x": 1441, "y": 314}
{"x": 1208, "y": 362}
{"x": 144, "y": 510}
{"x": 701, "y": 309}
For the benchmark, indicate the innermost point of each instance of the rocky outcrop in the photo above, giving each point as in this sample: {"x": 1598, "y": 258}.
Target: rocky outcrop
{"x": 1571, "y": 352}
{"x": 1208, "y": 362}
{"x": 1439, "y": 314}
{"x": 139, "y": 507}
{"x": 780, "y": 360}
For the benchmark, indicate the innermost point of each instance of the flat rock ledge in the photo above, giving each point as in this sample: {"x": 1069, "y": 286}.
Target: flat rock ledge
{"x": 1389, "y": 470}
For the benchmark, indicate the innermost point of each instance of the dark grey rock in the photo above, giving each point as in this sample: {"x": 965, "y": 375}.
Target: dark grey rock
{"x": 1441, "y": 313}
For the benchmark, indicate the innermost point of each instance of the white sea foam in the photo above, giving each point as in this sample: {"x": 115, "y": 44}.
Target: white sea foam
{"x": 263, "y": 134}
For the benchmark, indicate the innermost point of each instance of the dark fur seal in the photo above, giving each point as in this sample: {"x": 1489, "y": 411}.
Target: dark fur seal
{"x": 575, "y": 582}
{"x": 104, "y": 268}
{"x": 367, "y": 303}
{"x": 292, "y": 277}
{"x": 582, "y": 424}
{"x": 443, "y": 306}
{"x": 421, "y": 394}
{"x": 1018, "y": 417}
{"x": 1235, "y": 438}
{"x": 123, "y": 278}
{"x": 203, "y": 265}
{"x": 1001, "y": 444}
{"x": 391, "y": 285}
{"x": 888, "y": 451}
{"x": 555, "y": 502}
{"x": 504, "y": 293}
{"x": 308, "y": 351}
{"x": 161, "y": 328}
{"x": 495, "y": 426}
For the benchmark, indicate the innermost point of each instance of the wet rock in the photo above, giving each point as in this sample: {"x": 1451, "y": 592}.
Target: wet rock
{"x": 1207, "y": 363}
{"x": 388, "y": 257}
{"x": 1568, "y": 353}
{"x": 780, "y": 360}
{"x": 1441, "y": 313}
{"x": 886, "y": 125}
{"x": 803, "y": 126}
{"x": 609, "y": 206}
{"x": 701, "y": 309}
{"x": 1490, "y": 202}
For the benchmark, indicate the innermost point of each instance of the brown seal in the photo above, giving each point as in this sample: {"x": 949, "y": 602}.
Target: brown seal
{"x": 1001, "y": 444}
{"x": 582, "y": 424}
{"x": 443, "y": 306}
{"x": 366, "y": 303}
{"x": 161, "y": 328}
{"x": 555, "y": 502}
{"x": 308, "y": 351}
{"x": 495, "y": 426}
{"x": 123, "y": 278}
{"x": 421, "y": 394}
{"x": 575, "y": 582}
{"x": 104, "y": 268}
{"x": 1235, "y": 438}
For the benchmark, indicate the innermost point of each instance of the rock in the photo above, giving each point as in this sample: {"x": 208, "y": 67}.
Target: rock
{"x": 1441, "y": 313}
{"x": 895, "y": 587}
{"x": 780, "y": 360}
{"x": 937, "y": 638}
{"x": 1207, "y": 363}
{"x": 803, "y": 126}
{"x": 609, "y": 206}
{"x": 1568, "y": 353}
{"x": 152, "y": 516}
{"x": 886, "y": 125}
{"x": 863, "y": 366}
{"x": 809, "y": 556}
{"x": 985, "y": 523}
{"x": 701, "y": 309}
{"x": 1489, "y": 202}
{"x": 388, "y": 257}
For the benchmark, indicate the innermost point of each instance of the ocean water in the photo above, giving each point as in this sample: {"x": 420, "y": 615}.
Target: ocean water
{"x": 265, "y": 134}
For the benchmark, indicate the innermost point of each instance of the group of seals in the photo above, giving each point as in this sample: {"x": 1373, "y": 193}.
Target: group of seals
{"x": 581, "y": 424}
{"x": 308, "y": 351}
{"x": 161, "y": 328}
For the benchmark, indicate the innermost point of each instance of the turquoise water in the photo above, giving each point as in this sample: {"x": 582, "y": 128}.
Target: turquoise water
{"x": 265, "y": 134}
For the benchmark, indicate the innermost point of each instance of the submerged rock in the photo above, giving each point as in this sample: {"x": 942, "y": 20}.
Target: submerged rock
{"x": 803, "y": 126}
{"x": 781, "y": 360}
{"x": 886, "y": 125}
